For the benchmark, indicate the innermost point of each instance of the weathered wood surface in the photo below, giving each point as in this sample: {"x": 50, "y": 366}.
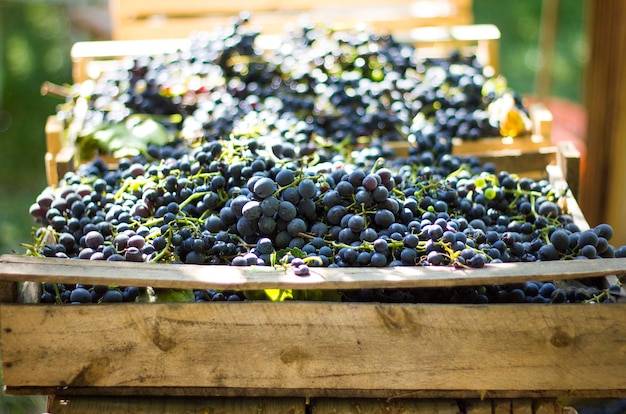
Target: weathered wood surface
{"x": 185, "y": 276}
{"x": 217, "y": 405}
{"x": 162, "y": 405}
{"x": 136, "y": 19}
{"x": 398, "y": 406}
{"x": 602, "y": 195}
{"x": 91, "y": 58}
{"x": 316, "y": 348}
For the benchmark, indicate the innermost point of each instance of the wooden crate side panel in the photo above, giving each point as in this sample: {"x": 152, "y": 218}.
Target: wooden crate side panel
{"x": 319, "y": 347}
{"x": 191, "y": 405}
{"x": 141, "y": 9}
{"x": 8, "y": 292}
{"x": 163, "y": 405}
{"x": 383, "y": 21}
{"x": 398, "y": 406}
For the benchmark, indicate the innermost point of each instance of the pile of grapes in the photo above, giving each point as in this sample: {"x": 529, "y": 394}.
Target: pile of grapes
{"x": 280, "y": 160}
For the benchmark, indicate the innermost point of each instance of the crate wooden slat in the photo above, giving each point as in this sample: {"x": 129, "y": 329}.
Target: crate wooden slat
{"x": 183, "y": 276}
{"x": 300, "y": 348}
{"x": 162, "y": 19}
{"x": 95, "y": 404}
{"x": 397, "y": 406}
{"x": 92, "y": 57}
{"x": 162, "y": 405}
{"x": 143, "y": 9}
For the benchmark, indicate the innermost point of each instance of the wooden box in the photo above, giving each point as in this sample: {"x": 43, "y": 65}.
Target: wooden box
{"x": 526, "y": 154}
{"x": 313, "y": 352}
{"x": 301, "y": 356}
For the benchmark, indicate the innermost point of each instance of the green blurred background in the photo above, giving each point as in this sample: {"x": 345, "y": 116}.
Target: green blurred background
{"x": 35, "y": 42}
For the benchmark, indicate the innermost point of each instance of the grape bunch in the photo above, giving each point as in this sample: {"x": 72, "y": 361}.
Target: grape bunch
{"x": 280, "y": 159}
{"x": 528, "y": 292}
{"x": 320, "y": 87}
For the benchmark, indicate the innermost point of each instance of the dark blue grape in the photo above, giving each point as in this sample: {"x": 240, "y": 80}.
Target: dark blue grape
{"x": 80, "y": 295}
{"x": 264, "y": 187}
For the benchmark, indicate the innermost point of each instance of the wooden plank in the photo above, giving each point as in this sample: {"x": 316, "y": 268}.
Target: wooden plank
{"x": 163, "y": 405}
{"x": 556, "y": 178}
{"x": 501, "y": 406}
{"x": 92, "y": 57}
{"x": 568, "y": 161}
{"x": 398, "y": 406}
{"x": 318, "y": 347}
{"x": 54, "y": 134}
{"x": 524, "y": 164}
{"x": 8, "y": 292}
{"x": 522, "y": 406}
{"x": 546, "y": 406}
{"x": 383, "y": 21}
{"x": 527, "y": 143}
{"x": 186, "y": 276}
{"x": 602, "y": 194}
{"x": 140, "y": 8}
{"x": 52, "y": 177}
{"x": 134, "y": 19}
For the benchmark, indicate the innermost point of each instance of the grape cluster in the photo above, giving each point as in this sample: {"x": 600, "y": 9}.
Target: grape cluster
{"x": 320, "y": 87}
{"x": 528, "y": 292}
{"x": 280, "y": 160}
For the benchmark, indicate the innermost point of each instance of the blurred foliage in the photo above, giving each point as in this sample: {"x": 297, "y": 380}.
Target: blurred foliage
{"x": 520, "y": 56}
{"x": 35, "y": 41}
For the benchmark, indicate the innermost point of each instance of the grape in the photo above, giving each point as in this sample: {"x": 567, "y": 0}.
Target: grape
{"x": 587, "y": 238}
{"x": 296, "y": 226}
{"x": 93, "y": 239}
{"x": 307, "y": 188}
{"x": 287, "y": 211}
{"x": 301, "y": 270}
{"x": 112, "y": 295}
{"x": 589, "y": 251}
{"x": 264, "y": 187}
{"x": 80, "y": 295}
{"x": 371, "y": 181}
{"x": 604, "y": 230}
{"x": 136, "y": 241}
{"x": 269, "y": 206}
{"x": 560, "y": 240}
{"x": 252, "y": 210}
{"x": 284, "y": 177}
{"x": 384, "y": 218}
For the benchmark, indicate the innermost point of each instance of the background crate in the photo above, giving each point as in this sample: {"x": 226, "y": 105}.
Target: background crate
{"x": 92, "y": 58}
{"x": 136, "y": 19}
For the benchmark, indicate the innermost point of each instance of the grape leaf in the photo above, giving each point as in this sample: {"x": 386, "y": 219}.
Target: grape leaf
{"x": 129, "y": 138}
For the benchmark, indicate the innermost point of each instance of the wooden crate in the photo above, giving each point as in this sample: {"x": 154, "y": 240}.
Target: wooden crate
{"x": 136, "y": 19}
{"x": 382, "y": 356}
{"x": 529, "y": 153}
{"x": 319, "y": 357}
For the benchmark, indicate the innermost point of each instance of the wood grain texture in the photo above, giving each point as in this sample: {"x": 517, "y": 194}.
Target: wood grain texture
{"x": 319, "y": 347}
{"x": 185, "y": 276}
{"x": 602, "y": 195}
{"x": 8, "y": 292}
{"x": 194, "y": 7}
{"x": 163, "y": 405}
{"x": 132, "y": 19}
{"x": 381, "y": 406}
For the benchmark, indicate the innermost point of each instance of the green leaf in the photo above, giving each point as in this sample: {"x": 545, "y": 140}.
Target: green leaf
{"x": 123, "y": 139}
{"x": 278, "y": 295}
{"x": 174, "y": 295}
{"x": 283, "y": 254}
